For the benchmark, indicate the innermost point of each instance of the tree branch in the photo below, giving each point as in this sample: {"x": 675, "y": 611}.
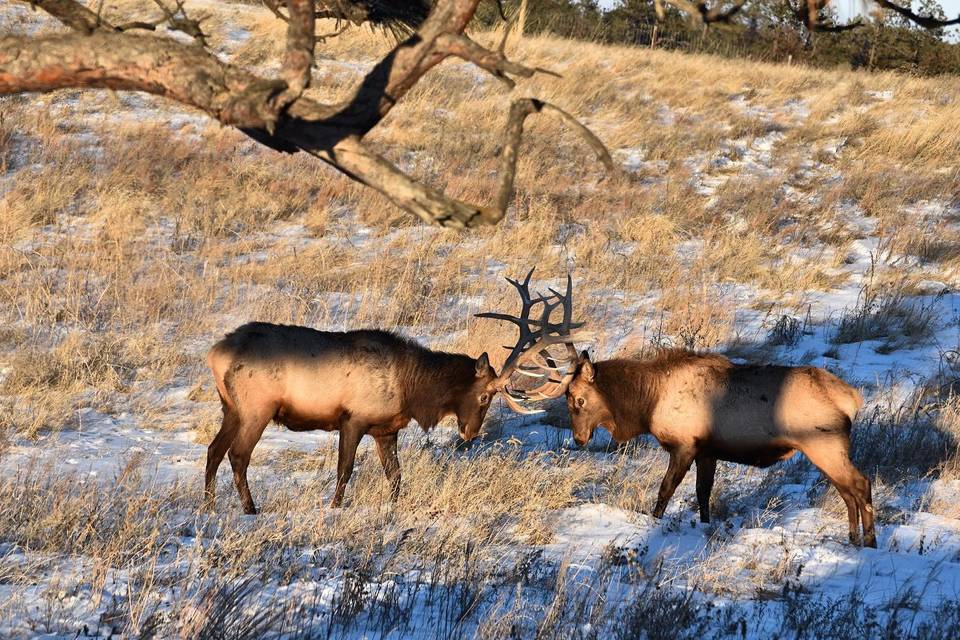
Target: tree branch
{"x": 700, "y": 13}
{"x": 298, "y": 59}
{"x": 496, "y": 63}
{"x": 927, "y": 22}
{"x": 274, "y": 111}
{"x": 352, "y": 156}
{"x": 72, "y": 14}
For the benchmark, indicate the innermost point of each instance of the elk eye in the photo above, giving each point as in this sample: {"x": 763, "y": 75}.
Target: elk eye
{"x": 581, "y": 402}
{"x": 485, "y": 398}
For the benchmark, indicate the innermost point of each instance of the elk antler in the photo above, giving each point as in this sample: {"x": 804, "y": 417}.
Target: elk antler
{"x": 531, "y": 356}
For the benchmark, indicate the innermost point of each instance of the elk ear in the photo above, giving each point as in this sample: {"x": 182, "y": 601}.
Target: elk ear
{"x": 587, "y": 370}
{"x": 483, "y": 364}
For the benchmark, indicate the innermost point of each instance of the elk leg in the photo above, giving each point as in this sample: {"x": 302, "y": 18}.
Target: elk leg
{"x": 215, "y": 452}
{"x": 706, "y": 469}
{"x": 239, "y": 464}
{"x": 240, "y": 451}
{"x": 833, "y": 460}
{"x": 350, "y": 436}
{"x": 864, "y": 495}
{"x": 680, "y": 461}
{"x": 853, "y": 514}
{"x": 387, "y": 450}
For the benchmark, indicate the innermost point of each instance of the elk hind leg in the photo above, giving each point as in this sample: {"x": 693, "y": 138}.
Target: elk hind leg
{"x": 833, "y": 460}
{"x": 706, "y": 470}
{"x": 680, "y": 461}
{"x": 864, "y": 497}
{"x": 240, "y": 451}
{"x": 216, "y": 450}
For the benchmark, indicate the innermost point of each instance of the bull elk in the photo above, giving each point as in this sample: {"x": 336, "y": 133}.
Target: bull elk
{"x": 358, "y": 383}
{"x": 703, "y": 408}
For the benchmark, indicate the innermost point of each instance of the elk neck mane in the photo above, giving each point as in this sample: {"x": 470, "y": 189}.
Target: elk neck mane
{"x": 632, "y": 387}
{"x": 433, "y": 381}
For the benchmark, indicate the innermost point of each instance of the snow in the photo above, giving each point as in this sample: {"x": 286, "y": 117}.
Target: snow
{"x": 774, "y": 533}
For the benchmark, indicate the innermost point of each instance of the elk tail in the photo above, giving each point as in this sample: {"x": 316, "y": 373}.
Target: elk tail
{"x": 850, "y": 401}
{"x": 218, "y": 359}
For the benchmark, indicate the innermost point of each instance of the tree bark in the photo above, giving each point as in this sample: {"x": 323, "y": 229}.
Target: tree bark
{"x": 274, "y": 111}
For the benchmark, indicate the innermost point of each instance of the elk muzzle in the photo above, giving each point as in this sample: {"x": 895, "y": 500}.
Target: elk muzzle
{"x": 469, "y": 429}
{"x": 582, "y": 435}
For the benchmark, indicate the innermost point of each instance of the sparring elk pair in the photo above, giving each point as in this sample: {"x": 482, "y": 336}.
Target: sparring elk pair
{"x": 358, "y": 383}
{"x": 700, "y": 407}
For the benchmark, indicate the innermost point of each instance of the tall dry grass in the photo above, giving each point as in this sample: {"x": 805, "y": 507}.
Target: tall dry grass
{"x": 132, "y": 237}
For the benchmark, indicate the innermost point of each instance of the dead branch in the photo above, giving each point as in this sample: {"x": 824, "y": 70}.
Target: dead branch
{"x": 700, "y": 13}
{"x": 275, "y": 111}
{"x": 298, "y": 59}
{"x": 495, "y": 62}
{"x": 927, "y": 22}
{"x": 72, "y": 14}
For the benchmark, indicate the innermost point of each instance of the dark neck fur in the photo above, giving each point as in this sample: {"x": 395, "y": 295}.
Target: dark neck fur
{"x": 631, "y": 391}
{"x": 434, "y": 383}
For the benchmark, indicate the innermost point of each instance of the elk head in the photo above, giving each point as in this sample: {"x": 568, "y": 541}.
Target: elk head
{"x": 531, "y": 357}
{"x": 474, "y": 402}
{"x": 588, "y": 408}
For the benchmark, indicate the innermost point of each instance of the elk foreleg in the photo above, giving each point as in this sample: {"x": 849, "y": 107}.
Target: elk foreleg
{"x": 706, "y": 469}
{"x": 387, "y": 450}
{"x": 680, "y": 461}
{"x": 350, "y": 435}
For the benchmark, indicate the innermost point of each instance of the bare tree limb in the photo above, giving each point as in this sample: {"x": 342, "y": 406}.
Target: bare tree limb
{"x": 927, "y": 22}
{"x": 274, "y": 111}
{"x": 519, "y": 111}
{"x": 274, "y": 8}
{"x": 808, "y": 14}
{"x": 298, "y": 60}
{"x": 178, "y": 20}
{"x": 496, "y": 63}
{"x": 839, "y": 28}
{"x": 162, "y": 66}
{"x": 72, "y": 14}
{"x": 700, "y": 13}
{"x": 373, "y": 170}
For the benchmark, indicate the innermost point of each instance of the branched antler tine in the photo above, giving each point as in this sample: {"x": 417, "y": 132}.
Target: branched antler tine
{"x": 508, "y": 318}
{"x": 532, "y": 373}
{"x": 543, "y": 343}
{"x": 530, "y": 356}
{"x": 566, "y": 300}
{"x": 553, "y": 388}
{"x": 519, "y": 408}
{"x": 516, "y": 394}
{"x": 550, "y": 362}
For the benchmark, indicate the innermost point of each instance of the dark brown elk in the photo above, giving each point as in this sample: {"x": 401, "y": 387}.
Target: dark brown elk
{"x": 704, "y": 408}
{"x": 700, "y": 408}
{"x": 358, "y": 383}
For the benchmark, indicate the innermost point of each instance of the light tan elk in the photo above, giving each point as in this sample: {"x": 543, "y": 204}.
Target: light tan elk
{"x": 358, "y": 383}
{"x": 704, "y": 408}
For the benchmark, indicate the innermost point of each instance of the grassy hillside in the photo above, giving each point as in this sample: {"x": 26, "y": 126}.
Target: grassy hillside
{"x": 774, "y": 213}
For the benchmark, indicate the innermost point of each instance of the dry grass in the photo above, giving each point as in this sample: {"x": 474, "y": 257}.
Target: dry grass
{"x": 129, "y": 244}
